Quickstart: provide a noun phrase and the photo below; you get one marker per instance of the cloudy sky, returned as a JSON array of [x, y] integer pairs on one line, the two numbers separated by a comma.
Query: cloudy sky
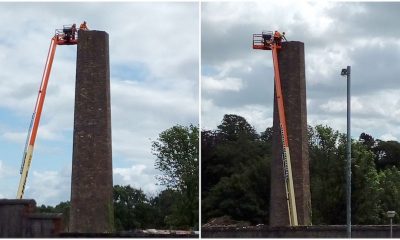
[[154, 51], [239, 80], [154, 55]]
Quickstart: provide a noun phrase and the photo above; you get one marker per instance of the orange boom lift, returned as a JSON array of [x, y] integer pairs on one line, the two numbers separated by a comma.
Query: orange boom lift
[[272, 41], [66, 36]]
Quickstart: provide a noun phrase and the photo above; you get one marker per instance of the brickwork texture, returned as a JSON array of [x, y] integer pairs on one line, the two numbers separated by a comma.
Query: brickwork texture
[[292, 72], [92, 184]]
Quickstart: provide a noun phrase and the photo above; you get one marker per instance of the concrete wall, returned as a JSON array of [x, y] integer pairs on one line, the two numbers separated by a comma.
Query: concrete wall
[[338, 231], [18, 219], [292, 73], [92, 183]]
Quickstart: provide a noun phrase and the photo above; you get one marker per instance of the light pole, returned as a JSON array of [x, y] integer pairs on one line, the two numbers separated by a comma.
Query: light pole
[[347, 72], [390, 215]]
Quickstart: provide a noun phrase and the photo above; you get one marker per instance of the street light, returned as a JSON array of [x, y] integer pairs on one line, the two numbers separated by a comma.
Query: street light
[[390, 215], [347, 72]]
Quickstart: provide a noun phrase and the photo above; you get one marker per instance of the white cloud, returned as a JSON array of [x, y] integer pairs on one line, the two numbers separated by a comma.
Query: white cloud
[[334, 106], [325, 62], [2, 170], [138, 177], [18, 137], [226, 84], [388, 137], [256, 115], [49, 187], [5, 170]]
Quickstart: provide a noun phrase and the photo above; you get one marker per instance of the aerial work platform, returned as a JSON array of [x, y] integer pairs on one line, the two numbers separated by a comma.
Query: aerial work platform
[[290, 162], [68, 35]]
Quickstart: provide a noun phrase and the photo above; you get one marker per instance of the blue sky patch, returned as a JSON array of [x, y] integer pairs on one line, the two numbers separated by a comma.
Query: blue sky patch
[[207, 70], [136, 71], [9, 118]]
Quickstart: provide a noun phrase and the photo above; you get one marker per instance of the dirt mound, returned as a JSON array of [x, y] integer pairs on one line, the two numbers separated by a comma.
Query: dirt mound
[[226, 221]]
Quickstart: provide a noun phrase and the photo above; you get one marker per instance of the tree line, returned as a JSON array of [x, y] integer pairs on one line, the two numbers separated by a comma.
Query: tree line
[[236, 178], [236, 174], [176, 151]]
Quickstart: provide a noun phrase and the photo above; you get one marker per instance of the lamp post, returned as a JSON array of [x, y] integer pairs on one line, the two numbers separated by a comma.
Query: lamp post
[[390, 215], [347, 72]]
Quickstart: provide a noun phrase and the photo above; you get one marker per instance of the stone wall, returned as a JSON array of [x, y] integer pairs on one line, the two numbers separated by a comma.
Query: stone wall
[[18, 219], [333, 231]]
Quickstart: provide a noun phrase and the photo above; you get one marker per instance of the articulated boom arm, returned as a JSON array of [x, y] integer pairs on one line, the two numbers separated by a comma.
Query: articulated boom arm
[[31, 138], [287, 165]]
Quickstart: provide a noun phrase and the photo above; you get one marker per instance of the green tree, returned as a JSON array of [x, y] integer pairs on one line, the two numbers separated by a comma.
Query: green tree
[[45, 209], [235, 171], [131, 208], [242, 196], [177, 152], [210, 163], [328, 160], [134, 210], [165, 205], [326, 177], [367, 140], [387, 154], [390, 195], [226, 149], [366, 191], [234, 126]]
